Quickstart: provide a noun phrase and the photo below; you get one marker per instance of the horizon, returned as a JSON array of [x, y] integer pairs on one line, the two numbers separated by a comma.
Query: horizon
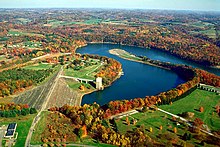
[[100, 8], [182, 5]]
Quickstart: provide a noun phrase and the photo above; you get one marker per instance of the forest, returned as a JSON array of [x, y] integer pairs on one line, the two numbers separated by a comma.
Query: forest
[[14, 80]]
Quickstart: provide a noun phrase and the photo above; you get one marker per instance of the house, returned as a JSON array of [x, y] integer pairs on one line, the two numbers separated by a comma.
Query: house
[[11, 130]]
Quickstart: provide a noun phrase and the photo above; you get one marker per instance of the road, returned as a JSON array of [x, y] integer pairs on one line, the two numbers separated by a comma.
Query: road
[[44, 107]]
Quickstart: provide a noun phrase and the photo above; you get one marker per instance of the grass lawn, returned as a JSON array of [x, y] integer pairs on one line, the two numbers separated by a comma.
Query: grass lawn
[[193, 102], [85, 72], [190, 103], [23, 125], [149, 119], [39, 66], [76, 85]]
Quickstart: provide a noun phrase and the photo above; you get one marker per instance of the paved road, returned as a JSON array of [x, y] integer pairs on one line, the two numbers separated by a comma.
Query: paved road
[[44, 106]]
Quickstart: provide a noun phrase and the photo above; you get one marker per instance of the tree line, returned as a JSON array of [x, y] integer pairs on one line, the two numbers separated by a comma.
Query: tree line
[[13, 110]]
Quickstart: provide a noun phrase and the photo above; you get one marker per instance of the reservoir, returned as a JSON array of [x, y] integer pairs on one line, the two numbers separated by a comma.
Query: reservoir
[[139, 80]]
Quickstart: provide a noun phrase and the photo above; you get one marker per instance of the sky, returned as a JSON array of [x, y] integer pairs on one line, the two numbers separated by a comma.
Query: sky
[[202, 5]]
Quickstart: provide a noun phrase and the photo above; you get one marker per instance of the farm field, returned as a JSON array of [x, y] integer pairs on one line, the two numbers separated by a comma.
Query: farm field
[[156, 119], [23, 125]]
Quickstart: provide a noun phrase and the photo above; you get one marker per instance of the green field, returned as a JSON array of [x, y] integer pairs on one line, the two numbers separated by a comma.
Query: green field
[[23, 125], [190, 103], [210, 33], [20, 33], [2, 57], [23, 20], [86, 72], [39, 66], [193, 102], [31, 44], [3, 38], [27, 44], [56, 23]]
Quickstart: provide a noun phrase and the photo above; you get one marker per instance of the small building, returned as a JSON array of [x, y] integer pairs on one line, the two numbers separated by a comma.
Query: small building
[[11, 130], [99, 83]]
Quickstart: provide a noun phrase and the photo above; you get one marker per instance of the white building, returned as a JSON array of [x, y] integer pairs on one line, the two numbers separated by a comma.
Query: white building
[[99, 83]]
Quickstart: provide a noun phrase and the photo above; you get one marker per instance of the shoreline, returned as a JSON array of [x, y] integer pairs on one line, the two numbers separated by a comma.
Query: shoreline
[[190, 60], [95, 90], [112, 51]]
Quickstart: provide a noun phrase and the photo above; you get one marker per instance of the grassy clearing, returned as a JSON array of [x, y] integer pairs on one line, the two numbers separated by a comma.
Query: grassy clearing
[[2, 57], [23, 125], [210, 33], [193, 102], [39, 66], [3, 38], [56, 23], [15, 32]]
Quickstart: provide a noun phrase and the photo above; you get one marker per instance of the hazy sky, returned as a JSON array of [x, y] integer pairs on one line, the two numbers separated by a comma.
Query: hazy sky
[[213, 5]]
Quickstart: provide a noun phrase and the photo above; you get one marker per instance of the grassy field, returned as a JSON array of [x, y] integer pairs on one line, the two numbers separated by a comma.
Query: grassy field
[[210, 33], [191, 103], [2, 57], [56, 23], [39, 66], [15, 32], [23, 125], [85, 72]]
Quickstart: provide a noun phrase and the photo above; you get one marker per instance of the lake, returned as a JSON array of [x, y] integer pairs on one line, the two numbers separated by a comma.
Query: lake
[[139, 80]]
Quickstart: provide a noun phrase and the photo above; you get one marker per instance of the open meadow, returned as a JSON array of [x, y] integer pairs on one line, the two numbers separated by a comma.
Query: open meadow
[[157, 123]]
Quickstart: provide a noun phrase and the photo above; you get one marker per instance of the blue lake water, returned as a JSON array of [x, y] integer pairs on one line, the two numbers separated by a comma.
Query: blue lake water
[[139, 80]]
